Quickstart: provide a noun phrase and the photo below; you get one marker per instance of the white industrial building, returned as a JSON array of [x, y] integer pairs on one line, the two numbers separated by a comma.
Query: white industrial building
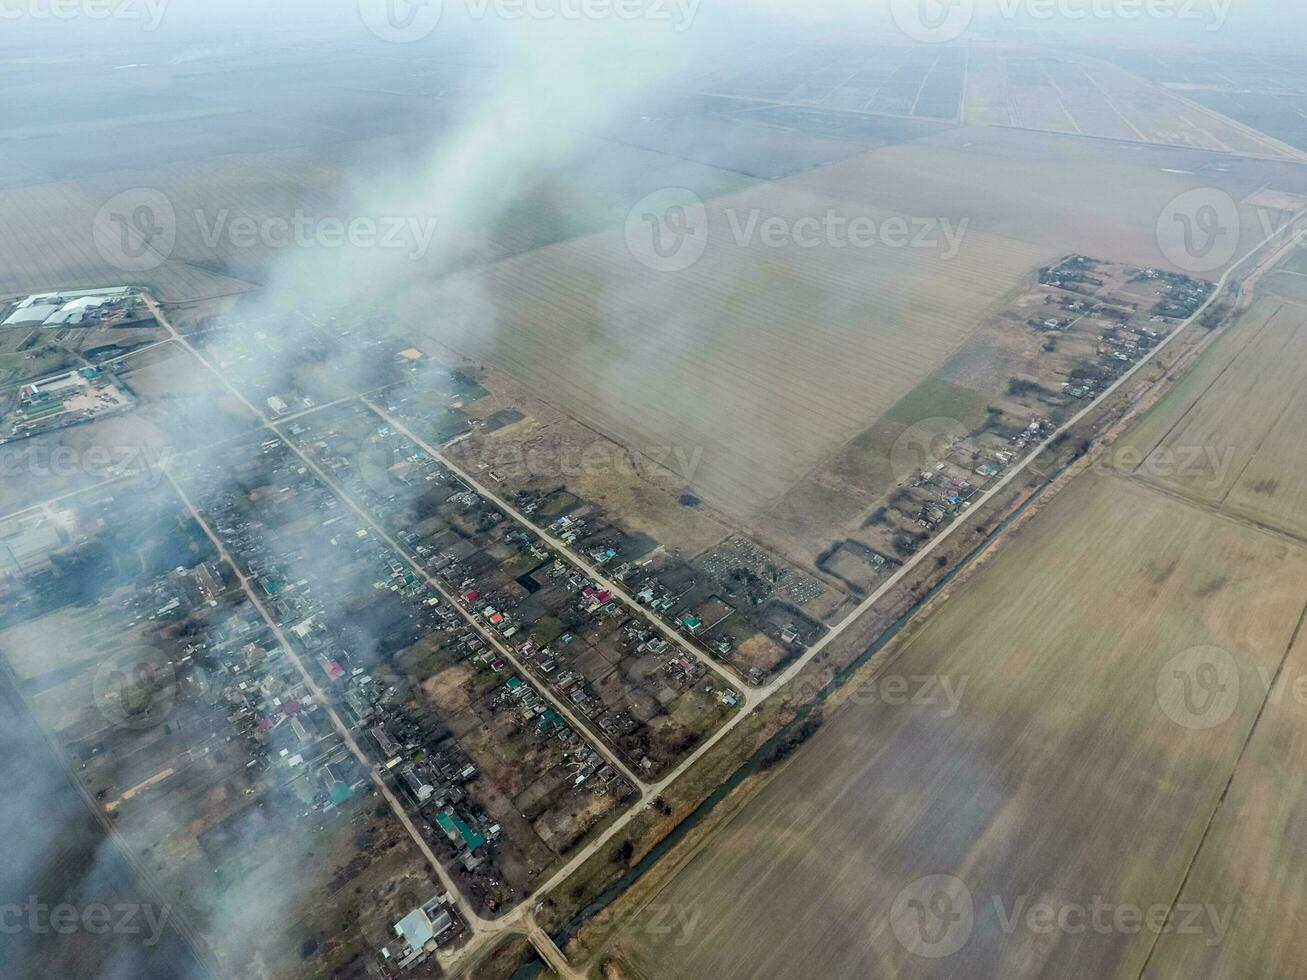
[[64, 309]]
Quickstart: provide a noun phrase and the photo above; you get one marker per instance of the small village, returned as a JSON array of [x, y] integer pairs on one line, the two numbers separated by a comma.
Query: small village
[[1093, 321]]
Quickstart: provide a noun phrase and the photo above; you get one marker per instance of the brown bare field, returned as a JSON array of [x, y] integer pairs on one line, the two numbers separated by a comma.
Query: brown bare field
[[1065, 193], [46, 242], [1273, 488], [1252, 855], [752, 368], [1067, 774], [754, 363], [46, 229], [1230, 434]]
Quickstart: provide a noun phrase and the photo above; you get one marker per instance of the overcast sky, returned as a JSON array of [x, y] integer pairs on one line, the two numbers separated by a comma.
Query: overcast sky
[[238, 23]]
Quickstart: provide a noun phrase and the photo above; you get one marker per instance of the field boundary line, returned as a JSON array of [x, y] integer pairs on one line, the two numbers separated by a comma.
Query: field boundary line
[[1214, 510], [1225, 791]]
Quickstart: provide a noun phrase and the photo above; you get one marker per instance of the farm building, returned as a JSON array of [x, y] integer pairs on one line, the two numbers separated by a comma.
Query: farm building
[[80, 307]]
